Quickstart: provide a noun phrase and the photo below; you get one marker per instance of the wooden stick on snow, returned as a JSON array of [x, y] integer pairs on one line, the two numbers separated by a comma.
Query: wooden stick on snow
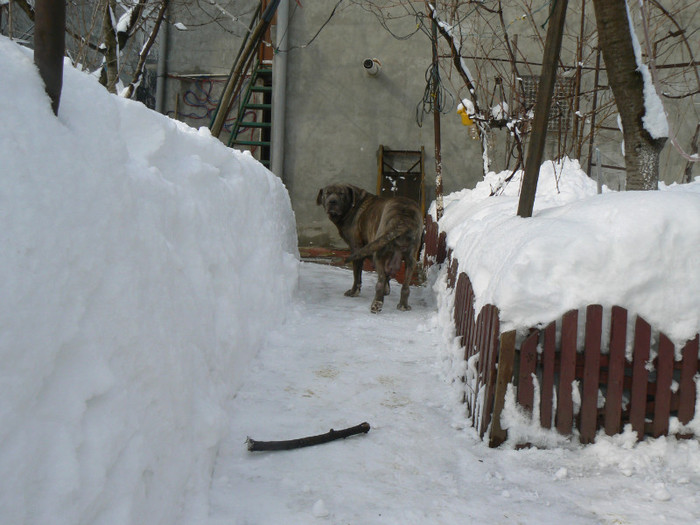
[[255, 446]]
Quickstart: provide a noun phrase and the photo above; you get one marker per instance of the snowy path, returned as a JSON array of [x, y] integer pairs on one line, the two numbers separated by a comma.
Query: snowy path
[[334, 365]]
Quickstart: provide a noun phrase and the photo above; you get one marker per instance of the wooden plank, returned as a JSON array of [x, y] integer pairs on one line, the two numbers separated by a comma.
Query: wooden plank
[[452, 273], [459, 301], [640, 376], [591, 369], [547, 389], [686, 389], [506, 358], [380, 169], [490, 371], [616, 370], [664, 377], [479, 343], [441, 247], [470, 333], [528, 365], [430, 246], [565, 409]]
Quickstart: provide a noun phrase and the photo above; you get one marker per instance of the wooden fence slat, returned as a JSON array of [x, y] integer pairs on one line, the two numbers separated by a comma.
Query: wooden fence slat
[[591, 370], [506, 359], [469, 341], [616, 370], [470, 333], [481, 332], [528, 364], [547, 388], [431, 233], [567, 371], [686, 389], [462, 313], [664, 377], [459, 301], [640, 376], [490, 371], [441, 247]]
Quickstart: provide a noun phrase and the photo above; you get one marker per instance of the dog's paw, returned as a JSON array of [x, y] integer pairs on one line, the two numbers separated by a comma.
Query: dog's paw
[[352, 292], [403, 307], [376, 307]]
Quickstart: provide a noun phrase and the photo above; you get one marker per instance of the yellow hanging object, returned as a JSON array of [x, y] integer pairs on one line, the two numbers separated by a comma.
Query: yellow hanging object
[[466, 121]]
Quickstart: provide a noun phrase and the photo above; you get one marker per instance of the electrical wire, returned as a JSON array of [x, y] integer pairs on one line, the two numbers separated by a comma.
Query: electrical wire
[[434, 96], [302, 46]]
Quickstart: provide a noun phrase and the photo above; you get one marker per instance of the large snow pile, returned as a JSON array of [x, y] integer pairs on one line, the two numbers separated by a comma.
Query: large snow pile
[[638, 250], [143, 263]]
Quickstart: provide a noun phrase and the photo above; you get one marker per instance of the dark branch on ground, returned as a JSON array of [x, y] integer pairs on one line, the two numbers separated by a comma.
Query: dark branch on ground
[[256, 446]]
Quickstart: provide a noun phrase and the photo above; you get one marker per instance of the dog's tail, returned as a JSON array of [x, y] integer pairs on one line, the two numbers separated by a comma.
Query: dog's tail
[[376, 245]]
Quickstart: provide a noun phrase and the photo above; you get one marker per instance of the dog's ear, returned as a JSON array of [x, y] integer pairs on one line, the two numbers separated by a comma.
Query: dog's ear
[[356, 194], [319, 197]]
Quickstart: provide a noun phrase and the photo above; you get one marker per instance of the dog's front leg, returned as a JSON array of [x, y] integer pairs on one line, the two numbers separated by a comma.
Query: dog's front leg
[[357, 279]]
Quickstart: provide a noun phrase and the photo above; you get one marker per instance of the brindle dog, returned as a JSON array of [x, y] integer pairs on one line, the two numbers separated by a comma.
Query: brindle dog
[[387, 229]]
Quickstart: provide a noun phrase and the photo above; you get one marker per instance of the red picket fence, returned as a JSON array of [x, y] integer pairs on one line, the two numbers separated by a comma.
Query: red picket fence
[[434, 251], [643, 393], [644, 386]]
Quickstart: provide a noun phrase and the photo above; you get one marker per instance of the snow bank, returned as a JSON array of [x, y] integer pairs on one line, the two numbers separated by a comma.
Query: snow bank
[[638, 250], [143, 263]]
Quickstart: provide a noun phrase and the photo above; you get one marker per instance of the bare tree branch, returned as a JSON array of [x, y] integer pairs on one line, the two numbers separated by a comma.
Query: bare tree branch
[[131, 88]]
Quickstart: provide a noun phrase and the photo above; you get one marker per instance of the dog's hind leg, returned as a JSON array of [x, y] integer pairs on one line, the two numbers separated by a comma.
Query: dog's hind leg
[[379, 290], [405, 288]]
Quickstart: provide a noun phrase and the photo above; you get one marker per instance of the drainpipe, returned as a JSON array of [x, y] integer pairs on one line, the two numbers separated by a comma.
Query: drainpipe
[[161, 73], [279, 91]]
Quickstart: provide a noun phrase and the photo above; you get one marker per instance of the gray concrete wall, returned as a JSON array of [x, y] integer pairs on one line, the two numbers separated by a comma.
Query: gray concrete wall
[[199, 58], [338, 116]]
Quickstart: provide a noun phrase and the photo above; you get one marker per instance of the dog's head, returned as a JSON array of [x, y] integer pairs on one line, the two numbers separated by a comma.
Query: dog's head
[[339, 199]]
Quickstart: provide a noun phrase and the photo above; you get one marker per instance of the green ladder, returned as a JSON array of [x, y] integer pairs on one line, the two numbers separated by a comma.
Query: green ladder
[[247, 104]]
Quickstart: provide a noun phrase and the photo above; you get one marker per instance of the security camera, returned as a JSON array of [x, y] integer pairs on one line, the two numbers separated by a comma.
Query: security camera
[[371, 66]]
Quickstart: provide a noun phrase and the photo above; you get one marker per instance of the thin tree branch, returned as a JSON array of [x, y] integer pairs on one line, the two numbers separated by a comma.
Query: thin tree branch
[[256, 446], [138, 73]]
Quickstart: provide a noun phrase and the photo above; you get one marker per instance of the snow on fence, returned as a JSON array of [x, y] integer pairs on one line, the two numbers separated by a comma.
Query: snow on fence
[[604, 383]]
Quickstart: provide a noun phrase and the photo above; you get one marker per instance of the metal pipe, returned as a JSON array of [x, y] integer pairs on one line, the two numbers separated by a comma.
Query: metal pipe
[[279, 91]]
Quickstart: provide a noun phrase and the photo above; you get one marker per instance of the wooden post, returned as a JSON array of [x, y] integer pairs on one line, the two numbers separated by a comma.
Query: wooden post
[[687, 395], [591, 374], [616, 370], [547, 389], [50, 45], [436, 127], [545, 90], [567, 372], [246, 57], [640, 376], [506, 357]]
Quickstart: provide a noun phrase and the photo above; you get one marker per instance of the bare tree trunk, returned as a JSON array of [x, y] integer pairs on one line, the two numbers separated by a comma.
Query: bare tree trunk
[[111, 50], [131, 88], [50, 45], [641, 149], [545, 91], [688, 173]]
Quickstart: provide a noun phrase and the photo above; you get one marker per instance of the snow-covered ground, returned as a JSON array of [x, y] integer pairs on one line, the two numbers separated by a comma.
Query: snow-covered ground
[[333, 364], [150, 320]]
